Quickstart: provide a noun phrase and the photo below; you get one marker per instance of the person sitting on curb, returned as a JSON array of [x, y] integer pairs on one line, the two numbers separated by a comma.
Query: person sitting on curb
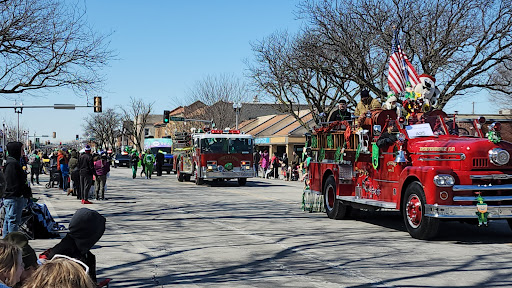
[[85, 229], [29, 257], [61, 272]]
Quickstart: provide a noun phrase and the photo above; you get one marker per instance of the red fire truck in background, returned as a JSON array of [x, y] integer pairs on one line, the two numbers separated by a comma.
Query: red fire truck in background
[[427, 170], [216, 155]]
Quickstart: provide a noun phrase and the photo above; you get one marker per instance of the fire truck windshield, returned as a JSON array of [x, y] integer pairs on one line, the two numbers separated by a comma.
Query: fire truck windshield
[[226, 145], [459, 127]]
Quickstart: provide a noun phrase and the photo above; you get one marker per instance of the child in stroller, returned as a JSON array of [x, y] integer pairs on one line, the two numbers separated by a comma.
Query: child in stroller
[[55, 177]]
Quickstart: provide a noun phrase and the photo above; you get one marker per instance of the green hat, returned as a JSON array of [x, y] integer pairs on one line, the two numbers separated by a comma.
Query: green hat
[[21, 240]]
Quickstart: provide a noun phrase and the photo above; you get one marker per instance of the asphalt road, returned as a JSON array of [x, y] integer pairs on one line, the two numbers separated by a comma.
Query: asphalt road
[[162, 233]]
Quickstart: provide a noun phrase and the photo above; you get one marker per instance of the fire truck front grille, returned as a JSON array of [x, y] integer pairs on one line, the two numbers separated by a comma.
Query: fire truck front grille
[[480, 162], [495, 188]]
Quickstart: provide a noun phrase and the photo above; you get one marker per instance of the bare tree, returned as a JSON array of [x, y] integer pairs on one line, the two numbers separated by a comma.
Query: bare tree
[[137, 112], [13, 133], [219, 92], [293, 70], [460, 42], [47, 44], [503, 76], [104, 127]]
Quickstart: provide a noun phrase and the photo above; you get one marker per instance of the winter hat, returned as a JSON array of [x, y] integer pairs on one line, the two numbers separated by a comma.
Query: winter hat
[[14, 149], [87, 148], [21, 240], [365, 94]]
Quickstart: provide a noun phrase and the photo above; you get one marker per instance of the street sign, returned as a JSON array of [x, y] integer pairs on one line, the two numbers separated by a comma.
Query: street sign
[[177, 118]]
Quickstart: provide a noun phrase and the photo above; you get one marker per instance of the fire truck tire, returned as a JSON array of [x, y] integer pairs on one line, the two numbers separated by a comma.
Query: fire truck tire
[[187, 178], [418, 225], [334, 208], [198, 180], [242, 181], [509, 221], [180, 176]]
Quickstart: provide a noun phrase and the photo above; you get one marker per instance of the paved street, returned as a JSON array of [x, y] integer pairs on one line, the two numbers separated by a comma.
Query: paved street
[[162, 233]]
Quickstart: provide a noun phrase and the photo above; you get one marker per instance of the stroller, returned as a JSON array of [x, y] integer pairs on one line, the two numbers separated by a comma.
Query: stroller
[[295, 173], [55, 177]]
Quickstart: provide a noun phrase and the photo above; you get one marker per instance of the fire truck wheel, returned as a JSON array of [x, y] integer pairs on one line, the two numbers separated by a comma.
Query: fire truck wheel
[[187, 178], [180, 176], [198, 180], [509, 221], [242, 181], [334, 208], [418, 225]]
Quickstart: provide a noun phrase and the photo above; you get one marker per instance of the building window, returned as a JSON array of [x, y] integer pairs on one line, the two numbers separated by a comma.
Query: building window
[[146, 132]]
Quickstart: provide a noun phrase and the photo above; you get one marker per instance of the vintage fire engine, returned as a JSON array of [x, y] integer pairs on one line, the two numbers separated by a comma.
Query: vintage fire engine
[[427, 171], [216, 155]]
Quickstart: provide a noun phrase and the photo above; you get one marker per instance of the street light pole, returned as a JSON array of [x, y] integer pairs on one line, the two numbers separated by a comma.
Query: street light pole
[[237, 106]]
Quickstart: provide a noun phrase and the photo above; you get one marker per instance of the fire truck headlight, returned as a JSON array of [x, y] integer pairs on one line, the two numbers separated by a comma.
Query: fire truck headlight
[[443, 180], [245, 165], [499, 156], [211, 165]]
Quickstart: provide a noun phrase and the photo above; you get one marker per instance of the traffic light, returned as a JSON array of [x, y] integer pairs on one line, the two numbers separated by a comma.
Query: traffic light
[[166, 116], [77, 138], [54, 134], [97, 104]]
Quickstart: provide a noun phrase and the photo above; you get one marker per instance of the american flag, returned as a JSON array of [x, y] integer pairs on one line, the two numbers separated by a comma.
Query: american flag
[[400, 69]]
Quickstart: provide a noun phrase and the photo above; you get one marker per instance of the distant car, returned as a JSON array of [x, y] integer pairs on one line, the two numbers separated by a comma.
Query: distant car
[[121, 160]]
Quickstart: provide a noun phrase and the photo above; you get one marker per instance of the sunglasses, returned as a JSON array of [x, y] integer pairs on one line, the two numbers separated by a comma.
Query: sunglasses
[[56, 256]]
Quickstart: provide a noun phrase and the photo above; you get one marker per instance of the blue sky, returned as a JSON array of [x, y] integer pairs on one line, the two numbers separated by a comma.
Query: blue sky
[[164, 47]]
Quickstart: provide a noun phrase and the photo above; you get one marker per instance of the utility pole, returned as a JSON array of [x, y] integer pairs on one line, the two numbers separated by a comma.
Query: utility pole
[[18, 110]]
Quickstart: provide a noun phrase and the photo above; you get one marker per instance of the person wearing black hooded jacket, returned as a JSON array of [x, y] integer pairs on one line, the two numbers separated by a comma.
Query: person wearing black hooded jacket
[[85, 229], [17, 192]]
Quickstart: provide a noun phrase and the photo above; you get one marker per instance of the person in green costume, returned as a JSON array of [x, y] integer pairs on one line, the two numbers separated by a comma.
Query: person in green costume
[[149, 161]]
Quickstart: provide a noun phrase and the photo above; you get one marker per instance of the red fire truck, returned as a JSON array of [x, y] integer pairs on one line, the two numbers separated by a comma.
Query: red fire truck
[[216, 155], [428, 170]]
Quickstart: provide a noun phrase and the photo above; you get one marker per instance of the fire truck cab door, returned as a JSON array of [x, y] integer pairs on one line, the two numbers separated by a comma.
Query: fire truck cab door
[[388, 172]]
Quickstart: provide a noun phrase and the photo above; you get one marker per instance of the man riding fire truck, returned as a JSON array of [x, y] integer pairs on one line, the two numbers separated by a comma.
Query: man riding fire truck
[[216, 155], [423, 166]]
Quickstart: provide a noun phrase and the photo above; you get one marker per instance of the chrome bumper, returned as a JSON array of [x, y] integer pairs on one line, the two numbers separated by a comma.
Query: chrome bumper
[[229, 174], [464, 212], [481, 187]]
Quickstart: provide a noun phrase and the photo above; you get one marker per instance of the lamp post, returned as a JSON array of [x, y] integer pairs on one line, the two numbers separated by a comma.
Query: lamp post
[[4, 140], [237, 106], [18, 110]]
